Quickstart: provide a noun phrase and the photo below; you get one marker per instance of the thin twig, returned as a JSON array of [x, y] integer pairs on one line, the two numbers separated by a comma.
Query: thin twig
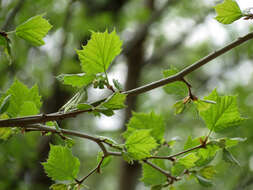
[[172, 157], [96, 169], [167, 174], [177, 77]]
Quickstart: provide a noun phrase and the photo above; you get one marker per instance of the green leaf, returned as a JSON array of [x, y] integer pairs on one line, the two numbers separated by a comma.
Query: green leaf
[[203, 105], [146, 121], [178, 88], [203, 181], [228, 12], [100, 51], [206, 155], [115, 101], [127, 157], [34, 30], [188, 160], [179, 107], [20, 96], [223, 114], [28, 108], [61, 164], [140, 143], [208, 172], [177, 169], [228, 157], [190, 143], [151, 176], [83, 106], [76, 80], [58, 186], [5, 104]]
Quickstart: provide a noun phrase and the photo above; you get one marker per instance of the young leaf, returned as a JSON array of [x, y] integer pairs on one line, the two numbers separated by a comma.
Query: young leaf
[[223, 114], [228, 12], [179, 107], [61, 164], [203, 181], [140, 143], [203, 105], [100, 51], [115, 101], [179, 89], [206, 155], [228, 157], [151, 176], [146, 121], [177, 169], [84, 106], [34, 30], [76, 80], [20, 96]]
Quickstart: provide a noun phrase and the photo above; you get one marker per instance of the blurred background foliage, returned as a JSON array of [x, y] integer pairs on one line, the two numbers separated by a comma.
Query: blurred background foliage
[[156, 35]]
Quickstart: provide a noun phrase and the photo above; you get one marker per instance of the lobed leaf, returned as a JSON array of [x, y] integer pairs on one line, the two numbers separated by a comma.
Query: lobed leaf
[[34, 30], [146, 121], [61, 164], [100, 51], [140, 143], [21, 96], [77, 80], [188, 160], [228, 12], [223, 114], [115, 101]]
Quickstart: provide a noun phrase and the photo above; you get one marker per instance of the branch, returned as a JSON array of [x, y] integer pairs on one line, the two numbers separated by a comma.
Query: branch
[[21, 121], [40, 127], [191, 68], [172, 157]]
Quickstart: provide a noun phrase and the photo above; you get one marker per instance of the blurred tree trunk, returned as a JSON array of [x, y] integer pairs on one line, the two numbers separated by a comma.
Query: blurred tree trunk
[[135, 60]]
